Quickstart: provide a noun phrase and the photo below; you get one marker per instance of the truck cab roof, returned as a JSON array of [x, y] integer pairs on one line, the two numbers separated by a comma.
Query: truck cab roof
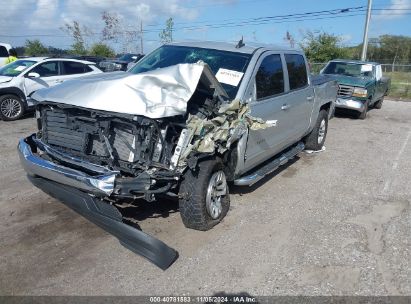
[[248, 48]]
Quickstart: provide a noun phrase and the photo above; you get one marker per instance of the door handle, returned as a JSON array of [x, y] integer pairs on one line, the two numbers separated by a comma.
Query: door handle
[[59, 81], [285, 107], [309, 98]]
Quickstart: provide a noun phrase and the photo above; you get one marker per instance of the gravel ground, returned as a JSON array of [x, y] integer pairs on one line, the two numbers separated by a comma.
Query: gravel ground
[[332, 223]]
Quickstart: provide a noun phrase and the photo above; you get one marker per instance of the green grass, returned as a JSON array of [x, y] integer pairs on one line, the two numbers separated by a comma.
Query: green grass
[[400, 85]]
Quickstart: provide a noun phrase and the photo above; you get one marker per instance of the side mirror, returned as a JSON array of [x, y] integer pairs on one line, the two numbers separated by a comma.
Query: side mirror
[[33, 75], [134, 57]]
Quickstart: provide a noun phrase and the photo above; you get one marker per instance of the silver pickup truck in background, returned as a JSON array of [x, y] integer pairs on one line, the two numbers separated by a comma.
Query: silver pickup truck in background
[[186, 121]]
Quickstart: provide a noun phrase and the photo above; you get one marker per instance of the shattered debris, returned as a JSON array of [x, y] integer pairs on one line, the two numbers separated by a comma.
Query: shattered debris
[[218, 133]]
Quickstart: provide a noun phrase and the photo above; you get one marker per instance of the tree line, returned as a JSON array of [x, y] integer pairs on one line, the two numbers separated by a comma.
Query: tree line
[[319, 47], [387, 49]]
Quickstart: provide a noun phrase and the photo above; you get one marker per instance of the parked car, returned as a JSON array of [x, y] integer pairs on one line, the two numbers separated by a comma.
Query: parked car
[[120, 63], [4, 53], [361, 84], [130, 65], [94, 59], [185, 121], [21, 78]]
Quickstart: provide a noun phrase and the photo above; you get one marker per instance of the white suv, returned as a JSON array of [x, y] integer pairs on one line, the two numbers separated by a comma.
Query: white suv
[[21, 78]]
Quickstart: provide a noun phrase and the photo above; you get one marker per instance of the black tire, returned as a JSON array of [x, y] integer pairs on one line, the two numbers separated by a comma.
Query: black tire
[[363, 115], [193, 196], [378, 104], [312, 141], [11, 107]]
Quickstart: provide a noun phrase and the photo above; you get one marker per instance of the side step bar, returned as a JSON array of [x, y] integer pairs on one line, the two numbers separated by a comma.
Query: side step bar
[[255, 176], [109, 218]]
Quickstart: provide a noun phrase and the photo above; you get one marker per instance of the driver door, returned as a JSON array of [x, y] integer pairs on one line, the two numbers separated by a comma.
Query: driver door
[[49, 73], [266, 101], [379, 84]]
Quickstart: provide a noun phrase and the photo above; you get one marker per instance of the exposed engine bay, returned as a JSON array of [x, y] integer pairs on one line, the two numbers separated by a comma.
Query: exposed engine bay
[[126, 143]]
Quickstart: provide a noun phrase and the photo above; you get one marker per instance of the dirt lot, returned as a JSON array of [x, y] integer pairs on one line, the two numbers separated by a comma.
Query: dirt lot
[[336, 222]]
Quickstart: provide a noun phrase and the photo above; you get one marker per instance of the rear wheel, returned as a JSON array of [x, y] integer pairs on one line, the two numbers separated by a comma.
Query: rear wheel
[[11, 107], [315, 140], [204, 197]]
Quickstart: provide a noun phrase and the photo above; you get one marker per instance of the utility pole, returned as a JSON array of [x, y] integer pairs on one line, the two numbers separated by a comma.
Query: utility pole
[[367, 25], [141, 37]]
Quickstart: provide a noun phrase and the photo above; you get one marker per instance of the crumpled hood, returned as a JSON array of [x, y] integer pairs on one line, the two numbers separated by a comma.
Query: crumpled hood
[[351, 81], [4, 79], [154, 94]]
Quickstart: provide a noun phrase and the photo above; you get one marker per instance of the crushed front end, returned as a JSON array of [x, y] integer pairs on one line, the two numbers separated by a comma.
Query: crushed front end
[[137, 149], [94, 160]]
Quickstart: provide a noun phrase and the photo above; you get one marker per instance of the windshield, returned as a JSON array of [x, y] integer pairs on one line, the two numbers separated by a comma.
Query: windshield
[[349, 69], [16, 68], [169, 55]]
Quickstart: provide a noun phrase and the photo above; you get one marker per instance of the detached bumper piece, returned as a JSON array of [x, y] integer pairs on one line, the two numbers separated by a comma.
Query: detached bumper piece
[[109, 218], [65, 187]]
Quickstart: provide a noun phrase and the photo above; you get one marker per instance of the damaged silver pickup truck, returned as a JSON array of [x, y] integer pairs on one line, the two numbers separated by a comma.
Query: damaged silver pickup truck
[[187, 120]]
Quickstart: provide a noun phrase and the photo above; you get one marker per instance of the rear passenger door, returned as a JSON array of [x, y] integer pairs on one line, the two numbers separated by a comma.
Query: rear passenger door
[[300, 99], [266, 95], [73, 69]]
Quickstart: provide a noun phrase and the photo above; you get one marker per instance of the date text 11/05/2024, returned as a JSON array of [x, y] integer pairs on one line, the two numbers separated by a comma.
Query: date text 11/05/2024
[[203, 299]]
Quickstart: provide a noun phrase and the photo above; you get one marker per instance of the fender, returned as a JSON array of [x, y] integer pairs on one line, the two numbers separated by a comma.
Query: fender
[[14, 91], [241, 154]]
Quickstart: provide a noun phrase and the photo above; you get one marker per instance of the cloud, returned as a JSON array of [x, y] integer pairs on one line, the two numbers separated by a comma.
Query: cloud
[[345, 38], [13, 14], [86, 11], [397, 9], [44, 15]]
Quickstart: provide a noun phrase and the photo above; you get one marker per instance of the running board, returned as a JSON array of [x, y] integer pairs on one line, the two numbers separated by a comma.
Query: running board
[[109, 218], [255, 176]]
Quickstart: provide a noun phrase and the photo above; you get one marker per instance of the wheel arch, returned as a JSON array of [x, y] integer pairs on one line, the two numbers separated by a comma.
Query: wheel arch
[[14, 91], [326, 106]]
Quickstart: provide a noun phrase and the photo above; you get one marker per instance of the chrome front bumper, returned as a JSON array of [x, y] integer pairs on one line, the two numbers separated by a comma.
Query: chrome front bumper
[[350, 104], [100, 183]]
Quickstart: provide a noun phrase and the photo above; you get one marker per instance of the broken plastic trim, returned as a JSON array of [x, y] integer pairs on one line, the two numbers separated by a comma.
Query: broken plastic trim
[[109, 218]]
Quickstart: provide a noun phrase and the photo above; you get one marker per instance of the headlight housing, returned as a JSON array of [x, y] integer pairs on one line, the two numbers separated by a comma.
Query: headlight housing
[[360, 92]]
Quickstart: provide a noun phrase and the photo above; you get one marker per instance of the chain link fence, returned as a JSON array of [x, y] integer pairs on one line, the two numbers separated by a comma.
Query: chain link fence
[[400, 75]]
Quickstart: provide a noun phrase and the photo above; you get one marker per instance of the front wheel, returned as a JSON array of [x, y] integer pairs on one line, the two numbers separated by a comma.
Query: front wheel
[[315, 140], [204, 197], [363, 115], [378, 104], [11, 107]]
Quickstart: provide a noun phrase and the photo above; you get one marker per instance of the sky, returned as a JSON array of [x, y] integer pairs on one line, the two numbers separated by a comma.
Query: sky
[[258, 21]]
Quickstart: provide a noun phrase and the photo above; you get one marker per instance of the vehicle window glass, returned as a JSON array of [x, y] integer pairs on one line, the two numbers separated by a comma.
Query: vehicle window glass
[[47, 69], [169, 55], [269, 79], [71, 67], [297, 72], [349, 69], [16, 67], [3, 52]]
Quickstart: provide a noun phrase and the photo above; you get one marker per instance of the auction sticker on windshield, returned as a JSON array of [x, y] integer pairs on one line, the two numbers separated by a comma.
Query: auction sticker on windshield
[[229, 77], [20, 68], [366, 68]]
